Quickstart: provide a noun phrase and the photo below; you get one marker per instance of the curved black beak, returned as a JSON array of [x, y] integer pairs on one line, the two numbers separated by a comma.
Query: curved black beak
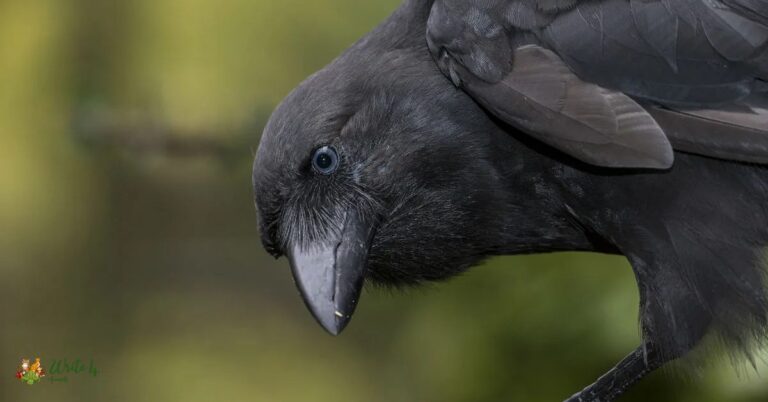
[[329, 274]]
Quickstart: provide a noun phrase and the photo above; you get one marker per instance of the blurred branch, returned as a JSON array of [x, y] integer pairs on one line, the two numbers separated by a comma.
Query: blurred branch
[[138, 133]]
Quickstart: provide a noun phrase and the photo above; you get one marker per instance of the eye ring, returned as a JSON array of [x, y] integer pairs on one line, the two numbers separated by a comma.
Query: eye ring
[[325, 160]]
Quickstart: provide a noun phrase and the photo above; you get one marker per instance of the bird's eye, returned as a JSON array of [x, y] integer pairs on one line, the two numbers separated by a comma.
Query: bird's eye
[[325, 160]]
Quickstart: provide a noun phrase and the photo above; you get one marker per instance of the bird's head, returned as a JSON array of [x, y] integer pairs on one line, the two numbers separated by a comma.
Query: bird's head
[[374, 171]]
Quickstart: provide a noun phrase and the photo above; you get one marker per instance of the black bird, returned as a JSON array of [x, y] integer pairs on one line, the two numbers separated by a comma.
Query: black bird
[[463, 129]]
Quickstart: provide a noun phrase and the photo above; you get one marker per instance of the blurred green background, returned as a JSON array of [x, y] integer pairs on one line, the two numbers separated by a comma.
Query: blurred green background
[[128, 234]]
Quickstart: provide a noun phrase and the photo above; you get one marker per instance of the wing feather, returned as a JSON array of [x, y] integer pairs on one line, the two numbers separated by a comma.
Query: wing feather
[[734, 36], [756, 10], [593, 124], [614, 82], [736, 131], [658, 26]]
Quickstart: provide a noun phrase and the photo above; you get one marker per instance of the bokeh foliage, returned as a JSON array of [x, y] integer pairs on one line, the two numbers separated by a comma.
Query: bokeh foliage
[[127, 232]]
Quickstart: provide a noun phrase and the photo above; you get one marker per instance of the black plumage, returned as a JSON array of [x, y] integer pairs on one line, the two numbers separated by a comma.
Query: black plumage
[[459, 130]]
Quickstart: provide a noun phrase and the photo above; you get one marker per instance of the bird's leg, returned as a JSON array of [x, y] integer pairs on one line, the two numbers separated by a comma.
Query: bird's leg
[[615, 382]]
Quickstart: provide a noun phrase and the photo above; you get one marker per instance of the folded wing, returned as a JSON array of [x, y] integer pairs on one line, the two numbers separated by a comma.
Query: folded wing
[[615, 83]]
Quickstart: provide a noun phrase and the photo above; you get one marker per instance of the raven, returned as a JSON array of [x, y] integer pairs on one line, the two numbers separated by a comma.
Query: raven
[[458, 130]]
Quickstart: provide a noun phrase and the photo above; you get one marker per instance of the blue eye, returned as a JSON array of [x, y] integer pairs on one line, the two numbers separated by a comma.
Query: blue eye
[[325, 160]]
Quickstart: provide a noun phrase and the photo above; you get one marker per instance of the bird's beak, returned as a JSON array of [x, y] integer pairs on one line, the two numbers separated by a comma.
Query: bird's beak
[[330, 273]]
